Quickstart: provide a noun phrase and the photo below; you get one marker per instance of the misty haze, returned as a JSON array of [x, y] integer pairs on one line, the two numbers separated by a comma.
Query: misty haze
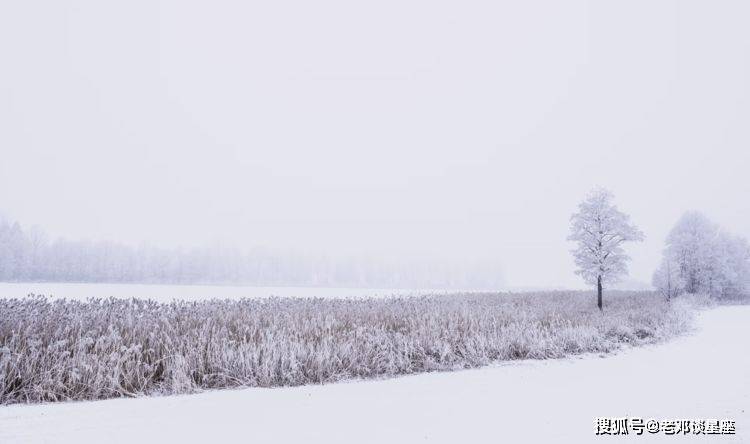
[[429, 221]]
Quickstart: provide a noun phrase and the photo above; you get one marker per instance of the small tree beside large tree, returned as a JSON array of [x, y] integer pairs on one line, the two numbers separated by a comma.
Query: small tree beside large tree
[[600, 230]]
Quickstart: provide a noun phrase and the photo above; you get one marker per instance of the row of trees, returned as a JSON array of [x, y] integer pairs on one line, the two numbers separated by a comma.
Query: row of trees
[[28, 255], [699, 257]]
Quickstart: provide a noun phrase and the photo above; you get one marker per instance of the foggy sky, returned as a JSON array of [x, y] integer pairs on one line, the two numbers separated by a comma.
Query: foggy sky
[[399, 129]]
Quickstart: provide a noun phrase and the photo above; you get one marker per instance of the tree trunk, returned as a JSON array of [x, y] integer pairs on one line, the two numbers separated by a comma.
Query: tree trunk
[[599, 292]]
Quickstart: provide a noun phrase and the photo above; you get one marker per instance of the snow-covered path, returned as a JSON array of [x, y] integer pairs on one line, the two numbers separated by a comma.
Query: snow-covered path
[[699, 376]]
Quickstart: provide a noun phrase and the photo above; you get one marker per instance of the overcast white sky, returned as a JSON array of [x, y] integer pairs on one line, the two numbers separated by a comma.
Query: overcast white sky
[[462, 129]]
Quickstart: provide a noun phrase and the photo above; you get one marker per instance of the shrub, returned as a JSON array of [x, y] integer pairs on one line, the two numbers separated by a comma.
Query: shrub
[[57, 350]]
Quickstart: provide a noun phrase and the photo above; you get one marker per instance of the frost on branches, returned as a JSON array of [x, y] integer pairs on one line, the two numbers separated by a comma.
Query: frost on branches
[[701, 258], [600, 229], [667, 279]]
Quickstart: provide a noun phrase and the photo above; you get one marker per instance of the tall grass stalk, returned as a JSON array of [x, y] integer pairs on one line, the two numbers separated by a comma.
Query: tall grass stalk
[[59, 350]]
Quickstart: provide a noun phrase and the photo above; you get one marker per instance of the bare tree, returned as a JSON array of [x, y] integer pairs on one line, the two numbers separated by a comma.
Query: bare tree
[[600, 229], [667, 279]]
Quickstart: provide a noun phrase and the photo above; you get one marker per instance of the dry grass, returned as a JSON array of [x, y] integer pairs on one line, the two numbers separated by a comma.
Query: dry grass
[[57, 350]]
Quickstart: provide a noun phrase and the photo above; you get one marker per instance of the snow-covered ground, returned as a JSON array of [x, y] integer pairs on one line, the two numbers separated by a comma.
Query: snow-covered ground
[[166, 293], [700, 376]]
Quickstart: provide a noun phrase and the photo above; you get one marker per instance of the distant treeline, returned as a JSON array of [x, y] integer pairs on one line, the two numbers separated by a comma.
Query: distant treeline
[[28, 255]]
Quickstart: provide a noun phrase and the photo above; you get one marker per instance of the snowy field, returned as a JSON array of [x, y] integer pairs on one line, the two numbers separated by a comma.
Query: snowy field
[[699, 376], [166, 293]]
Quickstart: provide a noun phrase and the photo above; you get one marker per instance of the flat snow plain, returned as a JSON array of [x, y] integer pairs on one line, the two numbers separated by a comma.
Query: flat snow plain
[[702, 375]]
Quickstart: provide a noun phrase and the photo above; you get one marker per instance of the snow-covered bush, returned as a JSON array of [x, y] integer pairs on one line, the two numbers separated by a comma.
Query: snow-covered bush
[[54, 350]]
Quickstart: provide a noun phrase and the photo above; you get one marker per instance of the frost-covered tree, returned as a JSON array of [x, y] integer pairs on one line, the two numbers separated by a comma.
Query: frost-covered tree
[[707, 259], [691, 245], [732, 255], [600, 230], [667, 279]]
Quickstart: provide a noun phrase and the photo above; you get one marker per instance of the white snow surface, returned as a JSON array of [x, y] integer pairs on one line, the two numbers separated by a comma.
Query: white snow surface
[[703, 375]]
